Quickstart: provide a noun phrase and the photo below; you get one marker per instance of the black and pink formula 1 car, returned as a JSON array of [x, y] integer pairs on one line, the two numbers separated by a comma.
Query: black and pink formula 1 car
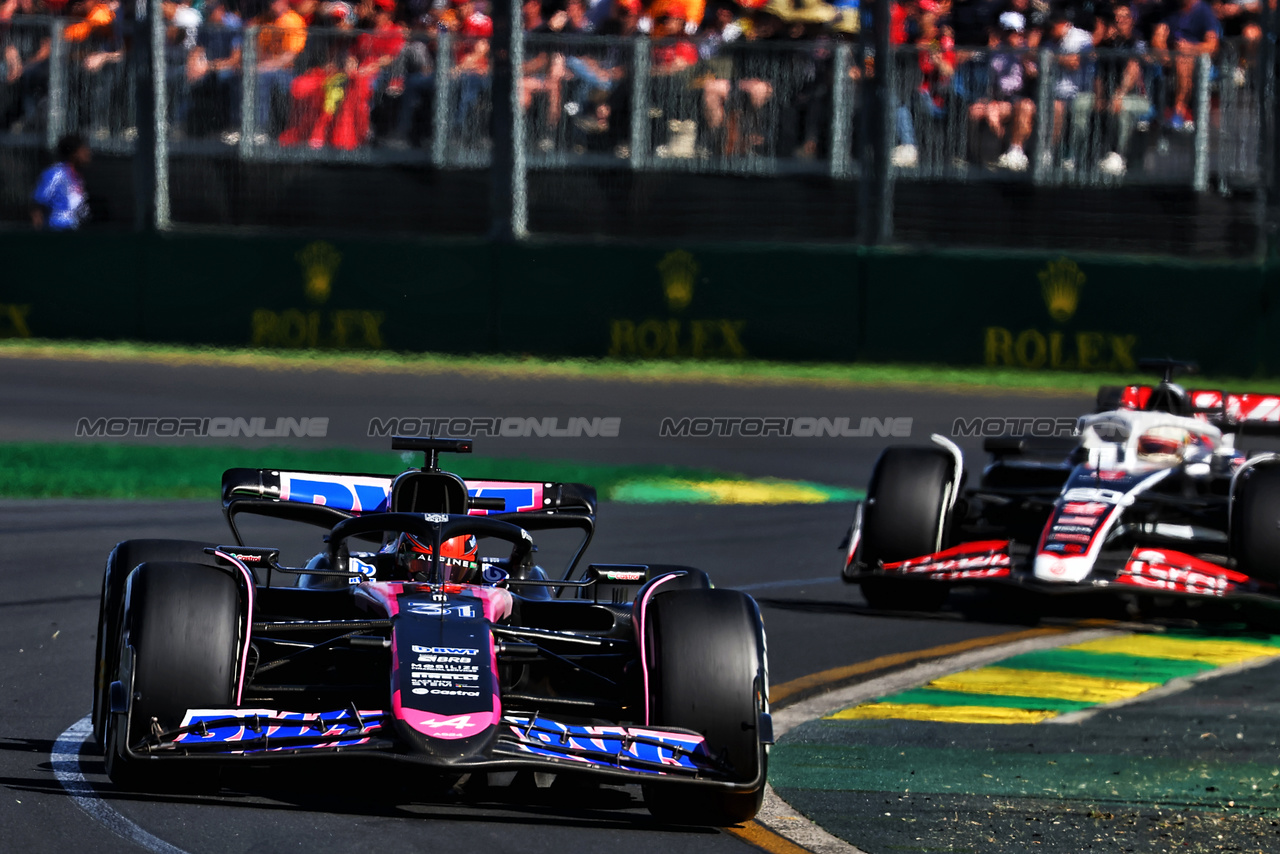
[[1151, 499], [402, 640]]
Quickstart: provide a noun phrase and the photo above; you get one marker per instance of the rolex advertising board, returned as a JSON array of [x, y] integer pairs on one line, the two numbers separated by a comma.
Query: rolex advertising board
[[1027, 311], [724, 303], [1060, 312]]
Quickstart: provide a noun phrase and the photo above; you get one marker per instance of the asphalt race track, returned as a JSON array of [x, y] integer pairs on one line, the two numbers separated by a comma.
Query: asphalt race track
[[52, 554], [43, 401]]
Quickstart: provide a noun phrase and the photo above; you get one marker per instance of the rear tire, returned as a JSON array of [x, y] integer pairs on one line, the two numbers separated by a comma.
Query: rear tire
[[184, 629], [122, 560], [1108, 399], [1255, 523], [707, 673], [906, 516]]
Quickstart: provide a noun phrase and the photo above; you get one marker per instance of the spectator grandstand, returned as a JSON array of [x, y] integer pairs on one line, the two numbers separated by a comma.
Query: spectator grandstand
[[1080, 93]]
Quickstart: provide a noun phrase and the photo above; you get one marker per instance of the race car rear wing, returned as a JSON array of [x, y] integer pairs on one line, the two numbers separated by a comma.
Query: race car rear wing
[[326, 498], [1257, 412]]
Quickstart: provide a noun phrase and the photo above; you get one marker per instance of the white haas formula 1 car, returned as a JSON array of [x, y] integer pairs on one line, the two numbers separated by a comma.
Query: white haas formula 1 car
[[1151, 497]]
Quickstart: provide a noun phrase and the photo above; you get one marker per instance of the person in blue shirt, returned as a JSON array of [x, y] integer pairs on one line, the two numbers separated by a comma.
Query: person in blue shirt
[[1191, 31], [61, 203]]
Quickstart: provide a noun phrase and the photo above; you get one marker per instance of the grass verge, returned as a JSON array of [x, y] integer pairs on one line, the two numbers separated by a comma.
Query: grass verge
[[931, 377], [40, 470]]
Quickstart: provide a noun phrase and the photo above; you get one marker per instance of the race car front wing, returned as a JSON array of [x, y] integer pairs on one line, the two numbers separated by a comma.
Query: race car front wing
[[631, 754], [1155, 570]]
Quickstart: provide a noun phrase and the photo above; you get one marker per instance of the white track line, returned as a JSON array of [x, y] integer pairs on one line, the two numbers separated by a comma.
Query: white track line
[[65, 758]]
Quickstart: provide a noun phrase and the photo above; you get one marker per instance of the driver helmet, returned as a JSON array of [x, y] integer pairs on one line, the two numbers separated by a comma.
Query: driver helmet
[[1163, 445], [457, 558]]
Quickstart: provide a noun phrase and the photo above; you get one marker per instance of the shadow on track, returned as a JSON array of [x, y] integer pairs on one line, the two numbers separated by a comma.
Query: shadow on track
[[26, 745]]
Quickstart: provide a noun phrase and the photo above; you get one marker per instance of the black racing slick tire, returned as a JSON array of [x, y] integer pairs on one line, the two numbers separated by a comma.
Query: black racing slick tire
[[708, 673], [1108, 399], [1255, 523], [122, 560], [906, 515], [183, 630]]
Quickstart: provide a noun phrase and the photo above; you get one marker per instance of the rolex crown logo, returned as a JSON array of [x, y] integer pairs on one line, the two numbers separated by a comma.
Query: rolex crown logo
[[1060, 283], [319, 262], [679, 270]]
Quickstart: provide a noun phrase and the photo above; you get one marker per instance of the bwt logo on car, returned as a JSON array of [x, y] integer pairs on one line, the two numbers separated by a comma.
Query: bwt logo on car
[[1006, 426], [798, 427], [222, 427], [513, 427]]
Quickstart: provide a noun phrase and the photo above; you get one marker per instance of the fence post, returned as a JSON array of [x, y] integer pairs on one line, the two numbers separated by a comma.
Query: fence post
[[443, 100], [519, 163], [1269, 139], [841, 115], [640, 57], [248, 91], [1044, 117], [884, 183], [1200, 169], [159, 85], [57, 123], [141, 60]]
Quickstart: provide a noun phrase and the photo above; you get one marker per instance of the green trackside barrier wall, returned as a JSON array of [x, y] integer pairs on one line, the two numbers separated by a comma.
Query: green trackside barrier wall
[[1039, 311]]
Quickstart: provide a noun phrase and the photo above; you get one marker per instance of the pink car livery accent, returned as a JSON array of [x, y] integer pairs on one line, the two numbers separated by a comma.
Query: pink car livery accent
[[515, 667], [638, 621], [520, 497], [443, 657], [247, 577], [447, 728], [255, 729], [356, 493], [616, 746]]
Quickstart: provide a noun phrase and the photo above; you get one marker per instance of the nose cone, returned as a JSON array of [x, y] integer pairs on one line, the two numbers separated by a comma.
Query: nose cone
[[1051, 567], [445, 695], [448, 738]]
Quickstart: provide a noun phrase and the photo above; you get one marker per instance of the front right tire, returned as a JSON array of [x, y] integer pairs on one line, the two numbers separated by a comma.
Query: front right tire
[[182, 625], [123, 559], [906, 515]]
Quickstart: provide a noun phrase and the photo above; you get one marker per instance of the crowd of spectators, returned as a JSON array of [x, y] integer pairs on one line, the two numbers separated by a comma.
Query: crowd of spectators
[[727, 76], [1110, 68]]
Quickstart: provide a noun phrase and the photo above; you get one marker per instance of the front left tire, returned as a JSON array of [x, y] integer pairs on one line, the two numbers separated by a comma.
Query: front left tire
[[1255, 523], [907, 513]]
